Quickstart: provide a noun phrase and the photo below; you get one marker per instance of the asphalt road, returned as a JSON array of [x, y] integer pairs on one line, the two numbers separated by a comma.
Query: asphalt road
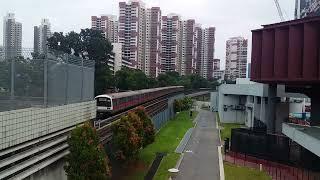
[[200, 161]]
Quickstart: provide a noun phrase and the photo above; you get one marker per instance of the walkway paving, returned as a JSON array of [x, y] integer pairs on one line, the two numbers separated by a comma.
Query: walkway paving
[[200, 159]]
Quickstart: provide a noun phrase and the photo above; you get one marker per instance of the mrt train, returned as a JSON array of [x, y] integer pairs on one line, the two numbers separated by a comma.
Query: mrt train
[[117, 102]]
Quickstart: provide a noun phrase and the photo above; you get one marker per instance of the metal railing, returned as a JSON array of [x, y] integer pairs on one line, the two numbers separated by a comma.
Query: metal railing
[[39, 81]]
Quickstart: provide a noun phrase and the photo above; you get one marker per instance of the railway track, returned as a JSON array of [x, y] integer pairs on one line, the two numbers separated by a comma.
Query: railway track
[[152, 107]]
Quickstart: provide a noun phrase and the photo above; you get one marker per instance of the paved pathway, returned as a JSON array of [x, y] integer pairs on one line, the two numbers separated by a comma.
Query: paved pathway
[[200, 161]]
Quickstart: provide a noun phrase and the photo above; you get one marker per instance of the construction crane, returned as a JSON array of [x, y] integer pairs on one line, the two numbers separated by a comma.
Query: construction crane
[[279, 10]]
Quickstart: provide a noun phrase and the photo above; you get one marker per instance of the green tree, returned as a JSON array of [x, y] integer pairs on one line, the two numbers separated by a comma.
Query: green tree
[[131, 79], [182, 104], [126, 140], [148, 127], [152, 82], [168, 79], [87, 159], [88, 44], [132, 133]]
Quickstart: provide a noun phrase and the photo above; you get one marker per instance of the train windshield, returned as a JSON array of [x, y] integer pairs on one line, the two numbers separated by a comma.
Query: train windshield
[[104, 101]]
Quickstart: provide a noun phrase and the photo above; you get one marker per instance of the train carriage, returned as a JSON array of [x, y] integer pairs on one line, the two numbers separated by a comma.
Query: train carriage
[[117, 102]]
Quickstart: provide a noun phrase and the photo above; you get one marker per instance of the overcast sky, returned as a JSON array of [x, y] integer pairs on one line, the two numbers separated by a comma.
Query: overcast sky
[[230, 17]]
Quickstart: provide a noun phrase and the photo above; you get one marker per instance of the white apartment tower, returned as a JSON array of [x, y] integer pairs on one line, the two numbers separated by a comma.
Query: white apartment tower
[[171, 49], [41, 35], [132, 27], [108, 24], [12, 36], [236, 58], [153, 44]]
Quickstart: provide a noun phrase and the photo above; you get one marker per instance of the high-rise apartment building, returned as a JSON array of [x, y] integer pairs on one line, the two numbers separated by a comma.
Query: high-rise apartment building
[[171, 49], [205, 39], [132, 28], [116, 61], [153, 44], [218, 74], [41, 35], [213, 66], [188, 47], [12, 36], [216, 64], [198, 48], [249, 70], [236, 58], [108, 24]]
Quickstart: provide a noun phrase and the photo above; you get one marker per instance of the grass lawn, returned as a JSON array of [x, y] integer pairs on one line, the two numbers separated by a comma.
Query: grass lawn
[[233, 172], [226, 128], [167, 139]]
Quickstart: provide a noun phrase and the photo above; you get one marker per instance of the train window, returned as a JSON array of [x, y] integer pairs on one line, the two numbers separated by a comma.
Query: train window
[[104, 101]]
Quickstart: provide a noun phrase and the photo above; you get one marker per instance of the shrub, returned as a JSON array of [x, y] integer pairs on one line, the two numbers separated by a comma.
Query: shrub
[[131, 133], [148, 127], [87, 158], [126, 140], [182, 104]]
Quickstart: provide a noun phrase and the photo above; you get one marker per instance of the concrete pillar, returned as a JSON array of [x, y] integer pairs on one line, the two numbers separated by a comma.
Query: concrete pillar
[[271, 114], [315, 106], [262, 110]]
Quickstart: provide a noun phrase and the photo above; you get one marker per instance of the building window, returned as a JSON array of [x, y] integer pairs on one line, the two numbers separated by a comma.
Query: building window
[[258, 100], [266, 100]]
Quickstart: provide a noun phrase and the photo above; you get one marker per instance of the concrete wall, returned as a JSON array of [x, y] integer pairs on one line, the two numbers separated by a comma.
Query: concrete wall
[[161, 119], [229, 115], [282, 113], [22, 125], [257, 108], [256, 89], [214, 103], [52, 172]]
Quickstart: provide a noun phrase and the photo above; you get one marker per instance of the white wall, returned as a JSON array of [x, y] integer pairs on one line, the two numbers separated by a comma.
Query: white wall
[[256, 89], [230, 115], [244, 81], [214, 101], [22, 125]]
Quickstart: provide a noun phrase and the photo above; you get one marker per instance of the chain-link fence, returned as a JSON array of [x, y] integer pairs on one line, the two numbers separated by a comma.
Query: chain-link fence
[[41, 81]]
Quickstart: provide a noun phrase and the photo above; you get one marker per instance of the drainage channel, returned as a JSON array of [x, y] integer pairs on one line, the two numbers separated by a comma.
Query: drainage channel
[[155, 165]]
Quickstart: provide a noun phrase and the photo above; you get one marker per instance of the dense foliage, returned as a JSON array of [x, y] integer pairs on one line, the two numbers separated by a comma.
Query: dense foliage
[[87, 158], [131, 133], [182, 104], [130, 79], [148, 127], [88, 44]]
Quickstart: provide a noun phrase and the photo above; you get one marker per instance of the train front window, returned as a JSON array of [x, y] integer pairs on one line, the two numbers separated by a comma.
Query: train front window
[[103, 101]]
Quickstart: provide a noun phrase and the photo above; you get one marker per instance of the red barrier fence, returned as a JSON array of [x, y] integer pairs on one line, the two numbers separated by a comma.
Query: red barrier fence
[[276, 170]]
